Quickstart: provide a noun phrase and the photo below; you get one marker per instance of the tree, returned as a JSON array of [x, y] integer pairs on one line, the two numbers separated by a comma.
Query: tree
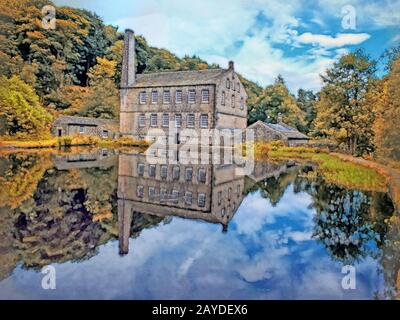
[[20, 106], [342, 111], [306, 101], [277, 102], [386, 100]]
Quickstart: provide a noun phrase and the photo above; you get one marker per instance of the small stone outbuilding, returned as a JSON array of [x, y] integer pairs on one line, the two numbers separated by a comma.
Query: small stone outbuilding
[[71, 125], [278, 132]]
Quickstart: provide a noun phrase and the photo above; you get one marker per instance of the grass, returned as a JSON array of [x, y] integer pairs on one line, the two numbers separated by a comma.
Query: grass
[[68, 141], [333, 169]]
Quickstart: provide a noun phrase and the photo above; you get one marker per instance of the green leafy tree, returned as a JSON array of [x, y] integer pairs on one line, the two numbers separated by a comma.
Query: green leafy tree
[[20, 106], [342, 111]]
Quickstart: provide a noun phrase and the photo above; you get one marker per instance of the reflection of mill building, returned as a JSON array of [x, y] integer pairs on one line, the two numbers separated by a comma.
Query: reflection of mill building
[[195, 99], [205, 192]]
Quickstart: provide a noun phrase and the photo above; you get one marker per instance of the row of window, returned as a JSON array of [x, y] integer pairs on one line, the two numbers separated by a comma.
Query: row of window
[[230, 83], [229, 194], [173, 197], [166, 96], [176, 172], [233, 101], [165, 120]]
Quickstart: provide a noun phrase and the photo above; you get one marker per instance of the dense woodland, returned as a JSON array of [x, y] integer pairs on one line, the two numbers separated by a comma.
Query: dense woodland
[[75, 69]]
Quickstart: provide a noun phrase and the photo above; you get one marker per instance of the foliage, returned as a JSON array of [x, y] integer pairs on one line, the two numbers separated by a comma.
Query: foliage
[[342, 111], [21, 108], [276, 104]]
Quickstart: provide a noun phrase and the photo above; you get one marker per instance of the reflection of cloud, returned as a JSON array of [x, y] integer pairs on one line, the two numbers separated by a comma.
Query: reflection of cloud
[[268, 253]]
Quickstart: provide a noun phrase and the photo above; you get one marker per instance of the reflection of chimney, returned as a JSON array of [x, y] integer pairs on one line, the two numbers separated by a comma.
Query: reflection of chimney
[[128, 62], [224, 228], [124, 224]]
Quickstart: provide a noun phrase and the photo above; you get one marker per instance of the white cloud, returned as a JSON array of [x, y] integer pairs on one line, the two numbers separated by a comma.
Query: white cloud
[[327, 41]]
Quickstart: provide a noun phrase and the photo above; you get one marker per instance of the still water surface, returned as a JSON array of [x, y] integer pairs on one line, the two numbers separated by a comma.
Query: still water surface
[[116, 228]]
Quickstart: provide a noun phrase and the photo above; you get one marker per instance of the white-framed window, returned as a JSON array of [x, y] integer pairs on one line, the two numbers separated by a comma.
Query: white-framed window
[[175, 196], [192, 96], [205, 96], [152, 170], [140, 169], [142, 97], [178, 96], [189, 174], [190, 120], [201, 200], [154, 97], [188, 197], [142, 120], [233, 101], [153, 120], [176, 172], [140, 191], [241, 103], [178, 120], [204, 121], [167, 97], [164, 171], [223, 98], [228, 83], [165, 120], [152, 192], [202, 175], [81, 129]]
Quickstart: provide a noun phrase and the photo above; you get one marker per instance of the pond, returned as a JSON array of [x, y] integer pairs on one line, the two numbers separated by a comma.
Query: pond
[[112, 226]]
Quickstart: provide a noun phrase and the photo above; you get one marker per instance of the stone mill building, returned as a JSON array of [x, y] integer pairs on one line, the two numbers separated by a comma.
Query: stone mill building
[[196, 99]]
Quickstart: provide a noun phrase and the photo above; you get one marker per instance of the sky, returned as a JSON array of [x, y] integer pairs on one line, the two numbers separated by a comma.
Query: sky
[[298, 39]]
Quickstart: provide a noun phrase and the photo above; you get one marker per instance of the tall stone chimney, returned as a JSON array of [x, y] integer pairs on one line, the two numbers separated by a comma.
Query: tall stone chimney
[[128, 61], [231, 65]]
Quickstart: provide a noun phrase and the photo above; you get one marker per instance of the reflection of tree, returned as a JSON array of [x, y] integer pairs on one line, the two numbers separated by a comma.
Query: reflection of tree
[[20, 176], [344, 222]]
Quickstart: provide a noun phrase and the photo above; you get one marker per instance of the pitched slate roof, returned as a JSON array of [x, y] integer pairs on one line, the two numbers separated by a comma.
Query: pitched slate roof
[[72, 120], [176, 78], [284, 129]]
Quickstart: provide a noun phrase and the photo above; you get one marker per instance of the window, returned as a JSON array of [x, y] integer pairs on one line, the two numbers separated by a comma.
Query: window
[[233, 101], [167, 97], [81, 129], [175, 196], [190, 120], [104, 133], [223, 212], [142, 97], [188, 197], [205, 96], [140, 191], [219, 197], [238, 86], [233, 84], [223, 98], [154, 97], [192, 96], [165, 120], [178, 96], [241, 103], [153, 120], [228, 84], [201, 200], [201, 177], [189, 174], [152, 192], [178, 120], [204, 121], [229, 193], [175, 173], [152, 170], [163, 194], [164, 171], [238, 190], [142, 120], [140, 169]]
